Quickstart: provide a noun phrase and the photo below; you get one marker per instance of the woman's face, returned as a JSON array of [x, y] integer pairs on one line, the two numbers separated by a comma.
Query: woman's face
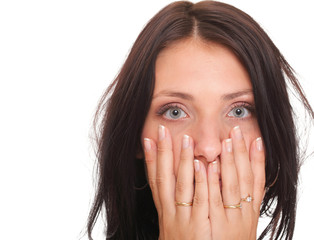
[[201, 90]]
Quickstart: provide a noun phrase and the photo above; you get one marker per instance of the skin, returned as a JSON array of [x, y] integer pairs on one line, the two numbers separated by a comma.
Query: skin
[[208, 98]]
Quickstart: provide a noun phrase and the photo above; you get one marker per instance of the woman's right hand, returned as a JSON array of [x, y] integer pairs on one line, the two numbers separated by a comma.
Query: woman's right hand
[[177, 222]]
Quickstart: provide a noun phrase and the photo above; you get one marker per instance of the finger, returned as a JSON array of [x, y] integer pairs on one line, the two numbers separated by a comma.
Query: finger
[[200, 201], [165, 175], [257, 156], [244, 170], [150, 151], [229, 178], [185, 177], [216, 210]]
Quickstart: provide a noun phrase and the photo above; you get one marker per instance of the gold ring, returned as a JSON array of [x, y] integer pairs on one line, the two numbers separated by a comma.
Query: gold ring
[[183, 204], [247, 199], [239, 205]]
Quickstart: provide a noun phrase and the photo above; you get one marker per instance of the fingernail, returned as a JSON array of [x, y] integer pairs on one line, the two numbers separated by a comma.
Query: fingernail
[[228, 145], [214, 166], [147, 144], [185, 141], [196, 165], [259, 144], [161, 132], [237, 132]]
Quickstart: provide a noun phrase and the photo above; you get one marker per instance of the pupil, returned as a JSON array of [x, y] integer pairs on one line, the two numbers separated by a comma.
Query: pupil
[[238, 111], [175, 112]]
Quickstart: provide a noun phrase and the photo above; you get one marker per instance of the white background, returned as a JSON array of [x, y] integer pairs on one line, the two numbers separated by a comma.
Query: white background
[[56, 59]]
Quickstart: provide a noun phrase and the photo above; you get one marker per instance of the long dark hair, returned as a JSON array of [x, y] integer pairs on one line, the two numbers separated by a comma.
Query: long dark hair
[[130, 211]]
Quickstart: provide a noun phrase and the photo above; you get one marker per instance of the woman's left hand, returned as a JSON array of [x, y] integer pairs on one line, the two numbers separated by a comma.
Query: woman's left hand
[[234, 210]]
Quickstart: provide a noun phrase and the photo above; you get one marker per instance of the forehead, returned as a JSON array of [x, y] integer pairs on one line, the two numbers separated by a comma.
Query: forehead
[[195, 66]]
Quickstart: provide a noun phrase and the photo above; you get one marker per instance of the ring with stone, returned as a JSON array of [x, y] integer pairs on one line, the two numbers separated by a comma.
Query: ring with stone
[[248, 199]]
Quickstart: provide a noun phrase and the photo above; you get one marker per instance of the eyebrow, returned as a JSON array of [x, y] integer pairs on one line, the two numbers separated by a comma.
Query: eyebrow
[[189, 97], [230, 96], [182, 95]]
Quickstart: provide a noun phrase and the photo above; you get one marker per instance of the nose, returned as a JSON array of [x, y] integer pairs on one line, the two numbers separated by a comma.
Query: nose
[[207, 142]]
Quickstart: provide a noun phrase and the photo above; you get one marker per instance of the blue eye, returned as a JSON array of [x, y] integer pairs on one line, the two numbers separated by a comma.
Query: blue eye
[[175, 113], [239, 112]]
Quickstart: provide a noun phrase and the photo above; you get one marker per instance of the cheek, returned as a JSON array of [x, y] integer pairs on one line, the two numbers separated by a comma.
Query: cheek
[[150, 130], [250, 134]]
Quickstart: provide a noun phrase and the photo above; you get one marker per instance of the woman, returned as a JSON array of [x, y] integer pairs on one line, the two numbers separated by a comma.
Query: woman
[[202, 98]]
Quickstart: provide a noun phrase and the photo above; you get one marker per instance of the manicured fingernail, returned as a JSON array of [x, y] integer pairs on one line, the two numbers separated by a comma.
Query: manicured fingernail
[[237, 132], [196, 165], [161, 132], [147, 144], [214, 166], [228, 145], [185, 141], [259, 144]]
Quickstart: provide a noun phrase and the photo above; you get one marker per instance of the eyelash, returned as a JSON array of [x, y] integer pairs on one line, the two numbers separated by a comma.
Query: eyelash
[[248, 106], [168, 106]]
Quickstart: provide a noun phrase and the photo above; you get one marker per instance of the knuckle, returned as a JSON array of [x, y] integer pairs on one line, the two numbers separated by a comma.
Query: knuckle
[[247, 179], [216, 202], [214, 181], [233, 189], [184, 157], [162, 149], [180, 186], [199, 180], [199, 201], [241, 149], [159, 180], [149, 160], [152, 183]]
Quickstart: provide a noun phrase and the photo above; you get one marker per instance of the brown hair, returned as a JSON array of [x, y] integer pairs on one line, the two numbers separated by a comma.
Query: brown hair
[[130, 211]]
